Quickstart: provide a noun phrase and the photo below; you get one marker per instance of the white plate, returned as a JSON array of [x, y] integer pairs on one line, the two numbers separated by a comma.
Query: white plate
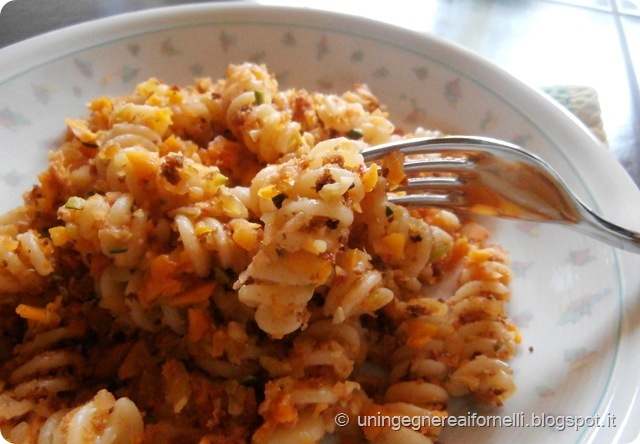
[[575, 300]]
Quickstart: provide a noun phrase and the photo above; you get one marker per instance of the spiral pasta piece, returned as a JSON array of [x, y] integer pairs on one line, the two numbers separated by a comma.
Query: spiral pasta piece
[[356, 111], [41, 368], [326, 348], [399, 422], [102, 420], [304, 408], [399, 239], [308, 207], [107, 225], [484, 337], [356, 288], [251, 116], [26, 260], [489, 380]]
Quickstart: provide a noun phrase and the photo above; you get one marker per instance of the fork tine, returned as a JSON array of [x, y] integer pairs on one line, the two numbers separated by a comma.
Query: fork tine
[[442, 191], [453, 199], [433, 164], [425, 145], [418, 146], [430, 191], [431, 183], [495, 178], [483, 176]]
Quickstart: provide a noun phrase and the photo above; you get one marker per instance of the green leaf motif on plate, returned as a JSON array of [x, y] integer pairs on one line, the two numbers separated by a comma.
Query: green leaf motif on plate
[[196, 69], [580, 257], [167, 48], [453, 92], [416, 114], [134, 49], [12, 120], [357, 56], [42, 93], [289, 39], [85, 67], [381, 73], [226, 41], [322, 48], [580, 307], [422, 73], [258, 57], [489, 121], [129, 73]]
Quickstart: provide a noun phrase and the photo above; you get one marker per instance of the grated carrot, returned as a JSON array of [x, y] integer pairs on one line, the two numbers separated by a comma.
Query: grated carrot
[[474, 232], [421, 334], [135, 362], [479, 256], [46, 315], [269, 192], [393, 245], [370, 178], [199, 324], [161, 280], [458, 252], [58, 236], [283, 409], [98, 264], [37, 314], [170, 145], [199, 293], [516, 332], [100, 104], [145, 164], [396, 169], [246, 235]]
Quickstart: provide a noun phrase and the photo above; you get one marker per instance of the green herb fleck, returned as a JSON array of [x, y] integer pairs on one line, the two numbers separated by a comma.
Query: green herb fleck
[[118, 250], [332, 224], [249, 381], [75, 203], [439, 250], [259, 96], [278, 200], [355, 134], [388, 211], [221, 276]]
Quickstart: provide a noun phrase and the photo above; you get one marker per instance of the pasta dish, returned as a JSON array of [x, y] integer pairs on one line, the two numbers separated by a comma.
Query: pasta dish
[[215, 263]]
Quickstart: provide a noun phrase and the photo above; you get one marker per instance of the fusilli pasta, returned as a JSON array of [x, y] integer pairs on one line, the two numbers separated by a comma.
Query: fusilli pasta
[[216, 263]]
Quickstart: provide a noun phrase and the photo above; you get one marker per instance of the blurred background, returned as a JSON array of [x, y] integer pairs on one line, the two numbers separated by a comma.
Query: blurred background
[[584, 53]]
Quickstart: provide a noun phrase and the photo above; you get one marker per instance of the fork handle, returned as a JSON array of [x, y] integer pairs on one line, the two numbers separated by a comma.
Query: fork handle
[[594, 226]]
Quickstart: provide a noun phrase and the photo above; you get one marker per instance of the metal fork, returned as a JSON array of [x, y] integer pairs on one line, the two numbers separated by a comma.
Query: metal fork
[[494, 178]]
